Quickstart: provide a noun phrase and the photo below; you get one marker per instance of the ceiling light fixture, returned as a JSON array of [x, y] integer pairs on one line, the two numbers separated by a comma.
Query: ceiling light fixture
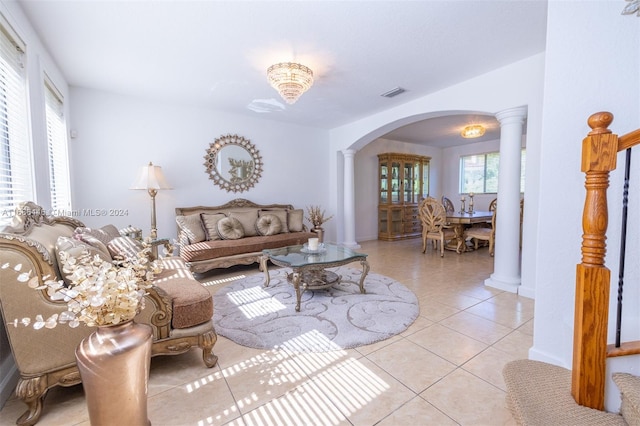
[[290, 80], [472, 131]]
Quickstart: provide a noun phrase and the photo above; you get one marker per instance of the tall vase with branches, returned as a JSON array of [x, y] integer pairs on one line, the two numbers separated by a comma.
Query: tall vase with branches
[[317, 217]]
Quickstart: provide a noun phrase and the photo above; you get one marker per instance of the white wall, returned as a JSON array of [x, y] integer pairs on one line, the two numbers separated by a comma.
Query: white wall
[[593, 63], [117, 134], [366, 180]]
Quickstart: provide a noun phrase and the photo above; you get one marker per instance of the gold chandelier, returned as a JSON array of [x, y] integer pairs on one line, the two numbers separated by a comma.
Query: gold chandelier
[[290, 80], [473, 131]]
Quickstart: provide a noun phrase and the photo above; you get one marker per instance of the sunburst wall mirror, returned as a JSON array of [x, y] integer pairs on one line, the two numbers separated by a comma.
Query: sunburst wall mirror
[[233, 163]]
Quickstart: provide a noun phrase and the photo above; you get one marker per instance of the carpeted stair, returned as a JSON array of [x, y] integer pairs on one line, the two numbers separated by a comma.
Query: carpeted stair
[[540, 394]]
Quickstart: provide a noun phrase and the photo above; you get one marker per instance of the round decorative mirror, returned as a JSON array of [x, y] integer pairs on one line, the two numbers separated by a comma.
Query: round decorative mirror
[[233, 163]]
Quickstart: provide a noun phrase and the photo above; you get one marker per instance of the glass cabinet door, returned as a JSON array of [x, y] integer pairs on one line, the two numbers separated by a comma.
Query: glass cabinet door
[[425, 181], [407, 190], [384, 183], [396, 184]]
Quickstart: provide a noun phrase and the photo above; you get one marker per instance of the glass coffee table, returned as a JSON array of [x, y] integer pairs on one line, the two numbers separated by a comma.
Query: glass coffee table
[[309, 268]]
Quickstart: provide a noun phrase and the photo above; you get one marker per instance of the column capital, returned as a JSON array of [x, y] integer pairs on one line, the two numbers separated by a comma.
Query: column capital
[[512, 115], [348, 152]]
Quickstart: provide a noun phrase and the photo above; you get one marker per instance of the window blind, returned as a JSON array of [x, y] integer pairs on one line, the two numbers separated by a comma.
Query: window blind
[[16, 170], [59, 182]]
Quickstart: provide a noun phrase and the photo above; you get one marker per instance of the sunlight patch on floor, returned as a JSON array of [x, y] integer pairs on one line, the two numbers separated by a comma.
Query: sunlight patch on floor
[[209, 283]]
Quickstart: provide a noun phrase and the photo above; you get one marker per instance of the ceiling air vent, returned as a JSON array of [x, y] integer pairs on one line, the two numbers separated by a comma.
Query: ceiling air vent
[[393, 92]]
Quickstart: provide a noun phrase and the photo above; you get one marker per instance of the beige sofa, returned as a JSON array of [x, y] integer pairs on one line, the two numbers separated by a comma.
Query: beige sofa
[[178, 308], [236, 233]]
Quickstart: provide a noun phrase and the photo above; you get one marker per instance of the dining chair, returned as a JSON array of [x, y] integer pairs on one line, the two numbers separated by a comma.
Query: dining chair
[[448, 205], [433, 217], [483, 234], [493, 204]]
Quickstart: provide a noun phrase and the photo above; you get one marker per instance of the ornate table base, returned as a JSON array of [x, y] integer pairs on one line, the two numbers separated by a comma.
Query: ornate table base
[[313, 274]]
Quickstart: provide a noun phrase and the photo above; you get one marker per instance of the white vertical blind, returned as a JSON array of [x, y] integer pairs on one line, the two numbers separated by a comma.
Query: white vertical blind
[[59, 182], [16, 170]]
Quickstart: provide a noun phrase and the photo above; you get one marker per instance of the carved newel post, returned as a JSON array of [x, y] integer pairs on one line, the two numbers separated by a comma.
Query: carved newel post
[[599, 150]]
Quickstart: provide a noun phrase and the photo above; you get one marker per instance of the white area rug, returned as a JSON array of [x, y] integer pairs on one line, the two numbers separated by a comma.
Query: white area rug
[[336, 318]]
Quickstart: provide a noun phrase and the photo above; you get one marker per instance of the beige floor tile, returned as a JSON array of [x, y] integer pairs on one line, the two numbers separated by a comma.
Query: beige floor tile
[[507, 316], [202, 401], [417, 412], [476, 327], [367, 349], [434, 310], [362, 391], [516, 344], [449, 344], [411, 364], [62, 407], [488, 366], [527, 327], [468, 400], [260, 378], [419, 324], [307, 404]]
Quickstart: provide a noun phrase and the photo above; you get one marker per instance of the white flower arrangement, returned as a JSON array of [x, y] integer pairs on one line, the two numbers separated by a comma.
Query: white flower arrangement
[[100, 293]]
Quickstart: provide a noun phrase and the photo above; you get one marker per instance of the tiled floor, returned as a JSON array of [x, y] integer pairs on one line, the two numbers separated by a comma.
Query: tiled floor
[[444, 370]]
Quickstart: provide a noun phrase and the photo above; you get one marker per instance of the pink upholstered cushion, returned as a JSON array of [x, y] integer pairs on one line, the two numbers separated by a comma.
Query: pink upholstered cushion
[[192, 303]]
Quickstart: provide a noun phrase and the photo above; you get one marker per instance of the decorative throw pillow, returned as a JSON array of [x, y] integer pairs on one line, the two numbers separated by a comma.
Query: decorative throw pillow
[[268, 224], [104, 234], [210, 222], [230, 228], [295, 220], [248, 220], [281, 214], [125, 248], [191, 227], [93, 242], [629, 386], [75, 248]]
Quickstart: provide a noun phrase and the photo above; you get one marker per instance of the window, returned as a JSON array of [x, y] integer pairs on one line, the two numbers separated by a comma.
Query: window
[[479, 173], [16, 175], [57, 148]]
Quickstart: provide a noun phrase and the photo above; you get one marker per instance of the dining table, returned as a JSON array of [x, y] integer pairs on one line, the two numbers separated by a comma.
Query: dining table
[[458, 221]]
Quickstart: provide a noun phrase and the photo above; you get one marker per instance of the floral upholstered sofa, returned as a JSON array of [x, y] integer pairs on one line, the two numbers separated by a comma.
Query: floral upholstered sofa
[[236, 233], [177, 307]]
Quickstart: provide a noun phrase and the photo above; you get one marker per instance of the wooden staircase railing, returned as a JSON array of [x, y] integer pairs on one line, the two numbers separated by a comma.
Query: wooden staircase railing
[[590, 350]]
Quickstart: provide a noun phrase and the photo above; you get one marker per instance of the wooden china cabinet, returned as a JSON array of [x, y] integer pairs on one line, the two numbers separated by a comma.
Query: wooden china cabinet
[[403, 181]]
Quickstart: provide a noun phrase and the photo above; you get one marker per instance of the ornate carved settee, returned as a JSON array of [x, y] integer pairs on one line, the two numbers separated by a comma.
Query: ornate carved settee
[[236, 233], [177, 307]]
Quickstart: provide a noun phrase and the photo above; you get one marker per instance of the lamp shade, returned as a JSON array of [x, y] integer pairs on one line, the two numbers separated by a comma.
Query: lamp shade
[[150, 177]]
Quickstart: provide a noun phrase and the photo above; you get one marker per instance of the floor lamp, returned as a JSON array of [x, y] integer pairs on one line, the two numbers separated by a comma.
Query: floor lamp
[[151, 178]]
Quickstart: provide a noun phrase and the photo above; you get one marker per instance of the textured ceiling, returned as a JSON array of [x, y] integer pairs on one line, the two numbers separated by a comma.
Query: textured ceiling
[[215, 53]]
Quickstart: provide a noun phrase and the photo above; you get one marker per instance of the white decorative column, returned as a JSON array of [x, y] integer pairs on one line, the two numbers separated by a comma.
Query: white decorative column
[[349, 200], [506, 269]]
